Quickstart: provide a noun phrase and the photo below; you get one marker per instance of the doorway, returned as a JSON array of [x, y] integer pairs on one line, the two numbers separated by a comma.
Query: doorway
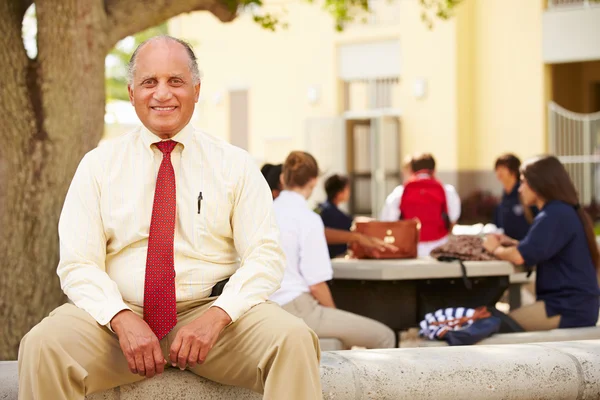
[[373, 161]]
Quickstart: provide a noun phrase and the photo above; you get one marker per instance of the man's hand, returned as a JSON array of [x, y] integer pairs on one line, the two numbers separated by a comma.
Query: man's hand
[[193, 342], [374, 243], [139, 344]]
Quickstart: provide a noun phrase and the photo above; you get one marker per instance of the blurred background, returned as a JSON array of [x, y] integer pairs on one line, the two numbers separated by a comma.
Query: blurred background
[[498, 76]]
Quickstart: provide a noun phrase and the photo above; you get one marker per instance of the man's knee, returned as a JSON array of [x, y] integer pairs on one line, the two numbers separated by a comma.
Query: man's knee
[[36, 342], [297, 334], [36, 351], [50, 336]]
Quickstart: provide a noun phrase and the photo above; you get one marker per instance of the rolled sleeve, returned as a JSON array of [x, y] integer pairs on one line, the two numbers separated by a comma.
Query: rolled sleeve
[[545, 239], [453, 201], [81, 268], [315, 265], [256, 239], [391, 208]]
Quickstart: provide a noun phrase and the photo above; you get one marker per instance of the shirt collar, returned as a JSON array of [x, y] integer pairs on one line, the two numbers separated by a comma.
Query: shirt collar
[[184, 136], [423, 175], [328, 203], [292, 197]]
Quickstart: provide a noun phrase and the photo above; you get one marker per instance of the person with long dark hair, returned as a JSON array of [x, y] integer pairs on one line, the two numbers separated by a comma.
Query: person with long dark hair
[[304, 291], [561, 244]]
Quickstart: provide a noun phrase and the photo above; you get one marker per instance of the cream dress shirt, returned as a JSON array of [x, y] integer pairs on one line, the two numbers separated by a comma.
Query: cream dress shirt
[[105, 221]]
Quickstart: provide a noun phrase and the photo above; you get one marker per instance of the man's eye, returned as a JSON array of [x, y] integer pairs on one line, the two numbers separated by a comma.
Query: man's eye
[[148, 82], [176, 81]]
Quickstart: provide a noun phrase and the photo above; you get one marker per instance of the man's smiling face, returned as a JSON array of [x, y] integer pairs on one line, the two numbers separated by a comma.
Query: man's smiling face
[[163, 91]]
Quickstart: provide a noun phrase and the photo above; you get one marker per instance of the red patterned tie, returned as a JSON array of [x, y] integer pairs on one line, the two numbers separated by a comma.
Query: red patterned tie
[[160, 311]]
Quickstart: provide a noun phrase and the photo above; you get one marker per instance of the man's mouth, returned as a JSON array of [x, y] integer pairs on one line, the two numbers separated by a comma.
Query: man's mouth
[[163, 108]]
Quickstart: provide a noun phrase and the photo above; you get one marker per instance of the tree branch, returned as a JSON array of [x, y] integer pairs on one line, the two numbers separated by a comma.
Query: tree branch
[[126, 17]]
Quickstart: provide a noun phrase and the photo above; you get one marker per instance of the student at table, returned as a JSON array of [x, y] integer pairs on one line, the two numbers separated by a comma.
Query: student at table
[[304, 291], [272, 173], [339, 237], [561, 244], [337, 188], [422, 196], [511, 215]]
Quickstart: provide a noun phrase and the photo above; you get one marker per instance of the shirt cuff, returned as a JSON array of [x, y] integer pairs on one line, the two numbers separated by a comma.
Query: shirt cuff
[[234, 307], [110, 313], [319, 279]]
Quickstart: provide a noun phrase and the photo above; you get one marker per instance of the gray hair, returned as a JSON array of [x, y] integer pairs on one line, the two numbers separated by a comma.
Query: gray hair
[[193, 62]]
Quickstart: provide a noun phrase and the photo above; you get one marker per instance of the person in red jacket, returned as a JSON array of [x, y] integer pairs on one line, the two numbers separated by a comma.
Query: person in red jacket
[[422, 196]]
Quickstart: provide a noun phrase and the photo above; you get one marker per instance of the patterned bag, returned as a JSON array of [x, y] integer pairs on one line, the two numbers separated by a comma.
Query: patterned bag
[[463, 247]]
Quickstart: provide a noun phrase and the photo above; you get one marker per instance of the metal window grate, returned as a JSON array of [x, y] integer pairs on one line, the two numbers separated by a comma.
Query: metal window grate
[[378, 93]]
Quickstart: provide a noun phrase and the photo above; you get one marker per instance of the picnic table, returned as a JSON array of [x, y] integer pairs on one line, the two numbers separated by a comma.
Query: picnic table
[[399, 293]]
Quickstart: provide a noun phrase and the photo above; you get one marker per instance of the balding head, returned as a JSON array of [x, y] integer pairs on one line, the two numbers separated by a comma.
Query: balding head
[[193, 63], [164, 86]]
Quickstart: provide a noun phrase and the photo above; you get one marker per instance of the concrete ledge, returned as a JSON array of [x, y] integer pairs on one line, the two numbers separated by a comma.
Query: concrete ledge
[[555, 335], [564, 370], [567, 370]]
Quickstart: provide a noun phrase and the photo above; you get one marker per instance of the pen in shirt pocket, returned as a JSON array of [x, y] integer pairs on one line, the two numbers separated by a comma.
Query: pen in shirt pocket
[[199, 202]]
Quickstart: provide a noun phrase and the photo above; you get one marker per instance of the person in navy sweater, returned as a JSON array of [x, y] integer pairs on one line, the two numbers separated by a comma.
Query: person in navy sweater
[[337, 188], [511, 215], [561, 244]]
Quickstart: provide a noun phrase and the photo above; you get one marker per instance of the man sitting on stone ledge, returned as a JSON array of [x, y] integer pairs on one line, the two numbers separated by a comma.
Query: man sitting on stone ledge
[[152, 222]]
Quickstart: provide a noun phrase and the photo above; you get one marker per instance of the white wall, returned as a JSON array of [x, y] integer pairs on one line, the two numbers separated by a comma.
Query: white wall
[[571, 34]]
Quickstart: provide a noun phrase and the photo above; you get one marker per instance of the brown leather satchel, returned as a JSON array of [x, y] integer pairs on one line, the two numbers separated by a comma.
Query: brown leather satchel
[[403, 234]]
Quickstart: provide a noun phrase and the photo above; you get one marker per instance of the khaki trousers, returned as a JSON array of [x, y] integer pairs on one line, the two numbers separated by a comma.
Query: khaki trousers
[[351, 329], [69, 355], [534, 317]]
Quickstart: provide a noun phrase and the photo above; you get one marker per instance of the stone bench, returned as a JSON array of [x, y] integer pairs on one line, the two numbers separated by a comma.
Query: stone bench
[[555, 335], [561, 370]]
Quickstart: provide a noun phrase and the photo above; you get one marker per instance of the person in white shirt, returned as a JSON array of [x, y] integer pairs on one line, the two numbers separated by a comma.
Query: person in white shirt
[[415, 167], [153, 225], [304, 291]]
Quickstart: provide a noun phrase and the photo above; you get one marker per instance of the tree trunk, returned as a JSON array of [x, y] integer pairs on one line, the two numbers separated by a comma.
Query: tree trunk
[[53, 110], [53, 113]]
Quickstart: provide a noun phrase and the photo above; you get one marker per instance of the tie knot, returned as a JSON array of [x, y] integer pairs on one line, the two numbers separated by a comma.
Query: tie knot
[[166, 146]]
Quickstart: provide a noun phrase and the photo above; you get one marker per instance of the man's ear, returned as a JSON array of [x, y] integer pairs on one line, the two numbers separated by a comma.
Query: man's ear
[[130, 91], [196, 92]]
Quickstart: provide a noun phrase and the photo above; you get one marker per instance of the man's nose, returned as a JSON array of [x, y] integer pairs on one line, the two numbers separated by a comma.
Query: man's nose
[[162, 92]]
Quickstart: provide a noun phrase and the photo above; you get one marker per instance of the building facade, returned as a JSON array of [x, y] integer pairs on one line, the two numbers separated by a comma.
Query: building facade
[[467, 90]]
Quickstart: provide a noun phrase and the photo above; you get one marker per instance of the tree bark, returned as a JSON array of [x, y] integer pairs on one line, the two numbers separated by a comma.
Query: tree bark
[[53, 113]]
